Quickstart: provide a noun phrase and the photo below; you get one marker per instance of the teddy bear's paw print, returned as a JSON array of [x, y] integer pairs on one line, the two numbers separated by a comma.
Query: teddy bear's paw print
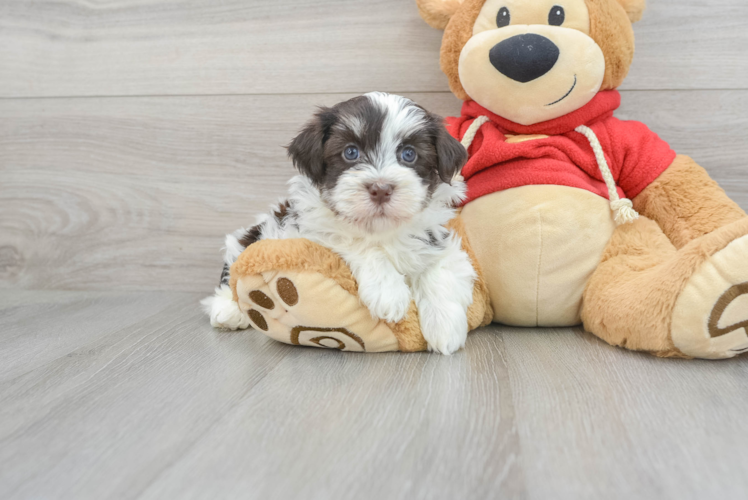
[[309, 309], [730, 314], [710, 319]]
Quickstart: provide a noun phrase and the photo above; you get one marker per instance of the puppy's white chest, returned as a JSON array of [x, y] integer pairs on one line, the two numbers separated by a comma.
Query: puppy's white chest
[[411, 259]]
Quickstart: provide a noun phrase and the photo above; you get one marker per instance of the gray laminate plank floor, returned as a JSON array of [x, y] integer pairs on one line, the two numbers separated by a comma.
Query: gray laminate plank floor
[[133, 395], [208, 47]]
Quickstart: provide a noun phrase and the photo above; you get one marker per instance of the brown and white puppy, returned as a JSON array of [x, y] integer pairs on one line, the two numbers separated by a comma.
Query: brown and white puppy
[[379, 181]]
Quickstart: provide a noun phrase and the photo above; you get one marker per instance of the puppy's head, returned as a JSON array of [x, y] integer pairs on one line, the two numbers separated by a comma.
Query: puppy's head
[[377, 158]]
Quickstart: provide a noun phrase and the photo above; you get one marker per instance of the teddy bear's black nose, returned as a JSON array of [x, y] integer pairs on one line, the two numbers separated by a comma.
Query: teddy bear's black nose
[[524, 58]]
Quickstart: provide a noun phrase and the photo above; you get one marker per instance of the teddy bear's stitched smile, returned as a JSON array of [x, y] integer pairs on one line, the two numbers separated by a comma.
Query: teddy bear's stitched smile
[[567, 94]]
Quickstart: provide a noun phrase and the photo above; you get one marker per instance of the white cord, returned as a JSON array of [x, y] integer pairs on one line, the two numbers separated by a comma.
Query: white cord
[[467, 139], [623, 209]]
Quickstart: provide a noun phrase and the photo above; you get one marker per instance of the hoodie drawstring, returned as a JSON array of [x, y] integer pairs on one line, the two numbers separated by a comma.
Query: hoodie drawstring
[[467, 139], [623, 208]]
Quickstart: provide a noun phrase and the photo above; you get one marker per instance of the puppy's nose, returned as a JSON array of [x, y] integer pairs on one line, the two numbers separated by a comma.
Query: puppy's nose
[[524, 58], [380, 193]]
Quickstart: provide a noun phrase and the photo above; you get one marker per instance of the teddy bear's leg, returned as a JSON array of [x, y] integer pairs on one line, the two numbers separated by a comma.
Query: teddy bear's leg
[[686, 202], [690, 302], [300, 293]]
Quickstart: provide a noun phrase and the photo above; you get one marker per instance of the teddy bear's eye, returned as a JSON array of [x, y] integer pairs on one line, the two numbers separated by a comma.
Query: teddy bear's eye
[[556, 16], [503, 17]]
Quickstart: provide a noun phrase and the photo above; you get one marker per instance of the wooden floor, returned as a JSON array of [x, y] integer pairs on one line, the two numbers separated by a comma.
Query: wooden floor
[[134, 134], [133, 395]]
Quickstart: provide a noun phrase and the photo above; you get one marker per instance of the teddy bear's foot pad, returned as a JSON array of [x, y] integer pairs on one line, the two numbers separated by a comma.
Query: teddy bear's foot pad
[[710, 319], [309, 309]]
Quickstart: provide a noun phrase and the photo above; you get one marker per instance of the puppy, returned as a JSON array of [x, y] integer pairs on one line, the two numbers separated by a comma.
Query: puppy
[[379, 181]]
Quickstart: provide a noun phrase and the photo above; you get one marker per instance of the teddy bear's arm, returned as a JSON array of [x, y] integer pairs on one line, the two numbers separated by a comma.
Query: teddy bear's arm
[[686, 203]]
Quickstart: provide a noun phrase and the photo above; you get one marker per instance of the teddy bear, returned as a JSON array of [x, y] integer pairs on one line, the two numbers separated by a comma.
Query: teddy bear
[[572, 215]]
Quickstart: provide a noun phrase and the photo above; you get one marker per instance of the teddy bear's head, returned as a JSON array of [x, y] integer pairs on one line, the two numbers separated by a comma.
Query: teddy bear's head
[[534, 60]]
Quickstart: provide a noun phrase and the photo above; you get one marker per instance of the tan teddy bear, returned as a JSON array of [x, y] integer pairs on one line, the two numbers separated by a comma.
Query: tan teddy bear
[[573, 215]]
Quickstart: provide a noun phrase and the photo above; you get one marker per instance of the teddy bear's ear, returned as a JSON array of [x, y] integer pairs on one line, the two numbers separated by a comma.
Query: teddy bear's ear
[[437, 13], [634, 8]]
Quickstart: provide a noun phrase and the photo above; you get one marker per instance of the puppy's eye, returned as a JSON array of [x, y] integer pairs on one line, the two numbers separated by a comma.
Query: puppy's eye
[[350, 153], [408, 154], [556, 16], [503, 18]]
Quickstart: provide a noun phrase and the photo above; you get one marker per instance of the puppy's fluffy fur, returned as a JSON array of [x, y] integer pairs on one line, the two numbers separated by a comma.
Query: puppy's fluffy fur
[[394, 240]]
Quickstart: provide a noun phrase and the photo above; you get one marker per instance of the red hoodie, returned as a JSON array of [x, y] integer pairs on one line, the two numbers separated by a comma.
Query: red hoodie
[[635, 154]]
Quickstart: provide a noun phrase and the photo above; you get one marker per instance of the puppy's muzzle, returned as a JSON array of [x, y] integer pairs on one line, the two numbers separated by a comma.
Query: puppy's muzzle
[[524, 58], [380, 193]]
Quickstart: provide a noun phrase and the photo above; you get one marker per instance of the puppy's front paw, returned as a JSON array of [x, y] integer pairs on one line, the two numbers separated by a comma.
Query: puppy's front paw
[[389, 302], [445, 329], [223, 311]]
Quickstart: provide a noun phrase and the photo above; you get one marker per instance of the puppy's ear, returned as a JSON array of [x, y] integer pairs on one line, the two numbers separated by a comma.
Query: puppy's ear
[[451, 154], [307, 149], [437, 13]]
